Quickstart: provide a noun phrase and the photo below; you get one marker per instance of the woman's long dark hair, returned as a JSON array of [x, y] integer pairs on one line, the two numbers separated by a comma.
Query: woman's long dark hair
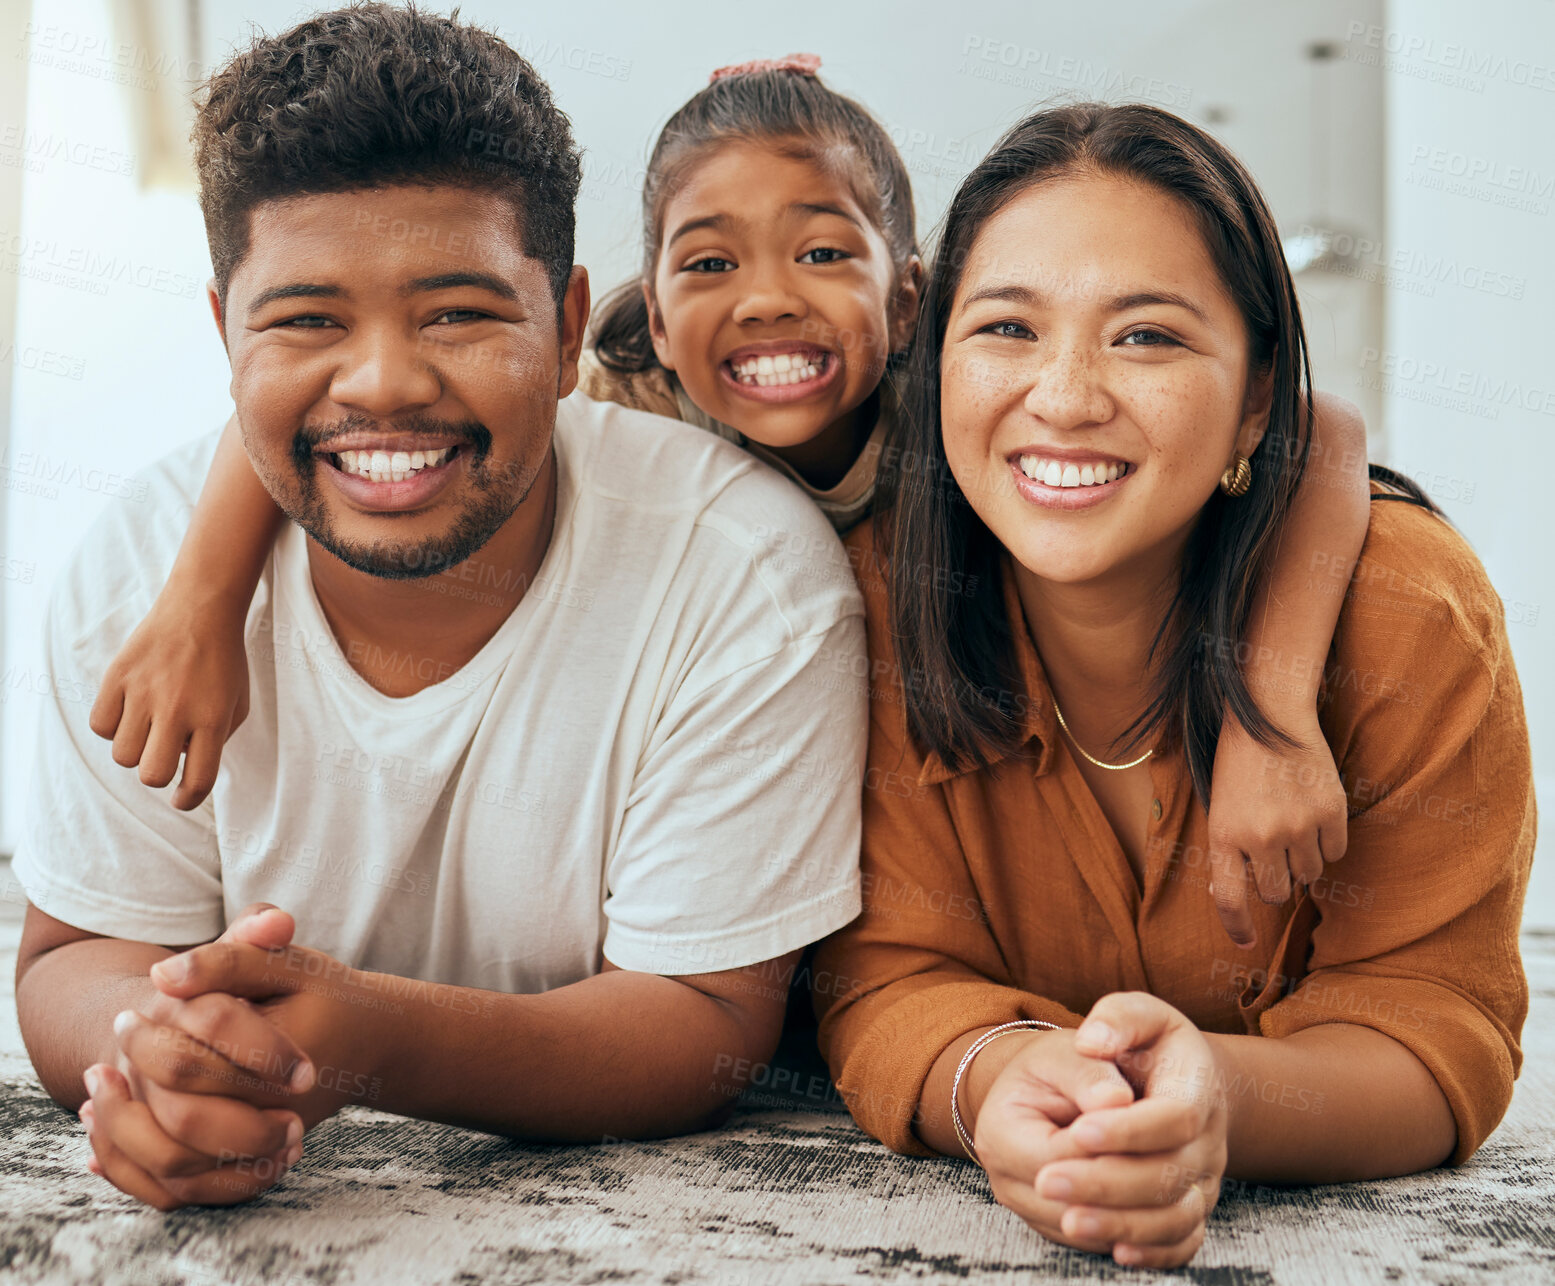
[[954, 650], [797, 114]]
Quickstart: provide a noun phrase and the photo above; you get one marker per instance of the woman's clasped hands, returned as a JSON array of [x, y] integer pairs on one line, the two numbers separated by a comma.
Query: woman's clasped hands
[[1111, 1137]]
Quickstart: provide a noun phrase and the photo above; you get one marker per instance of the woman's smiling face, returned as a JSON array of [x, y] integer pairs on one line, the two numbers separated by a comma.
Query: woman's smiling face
[[772, 295], [1094, 377]]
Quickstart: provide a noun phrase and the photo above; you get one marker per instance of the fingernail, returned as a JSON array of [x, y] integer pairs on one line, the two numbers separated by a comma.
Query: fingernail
[[294, 1132], [301, 1077], [123, 1021], [1089, 1134], [1094, 1032], [93, 1079], [1088, 1226], [295, 1155], [1057, 1186], [173, 970]]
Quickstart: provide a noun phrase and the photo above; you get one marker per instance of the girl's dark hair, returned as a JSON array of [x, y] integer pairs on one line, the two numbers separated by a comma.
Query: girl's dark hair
[[376, 94], [803, 119], [953, 640]]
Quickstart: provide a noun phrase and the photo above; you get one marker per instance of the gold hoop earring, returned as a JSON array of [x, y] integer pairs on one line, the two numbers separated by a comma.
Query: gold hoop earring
[[1238, 477]]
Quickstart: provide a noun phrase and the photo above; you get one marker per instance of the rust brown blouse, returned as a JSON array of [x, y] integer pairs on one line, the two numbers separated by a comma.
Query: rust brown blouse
[[1003, 893]]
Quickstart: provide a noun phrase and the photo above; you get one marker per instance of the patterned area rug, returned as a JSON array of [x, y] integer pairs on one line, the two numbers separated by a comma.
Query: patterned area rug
[[790, 1193]]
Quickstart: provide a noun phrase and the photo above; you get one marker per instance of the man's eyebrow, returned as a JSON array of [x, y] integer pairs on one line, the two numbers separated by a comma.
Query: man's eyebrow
[[1015, 293], [293, 290], [449, 280]]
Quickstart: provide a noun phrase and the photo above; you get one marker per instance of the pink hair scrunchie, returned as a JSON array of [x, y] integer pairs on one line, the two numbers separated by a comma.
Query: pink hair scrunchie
[[799, 64]]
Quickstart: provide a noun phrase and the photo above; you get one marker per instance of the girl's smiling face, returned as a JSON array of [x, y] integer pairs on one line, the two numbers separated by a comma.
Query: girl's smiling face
[[774, 298], [1094, 378]]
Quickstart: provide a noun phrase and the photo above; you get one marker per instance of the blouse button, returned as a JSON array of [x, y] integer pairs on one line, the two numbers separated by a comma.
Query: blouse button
[[1155, 809]]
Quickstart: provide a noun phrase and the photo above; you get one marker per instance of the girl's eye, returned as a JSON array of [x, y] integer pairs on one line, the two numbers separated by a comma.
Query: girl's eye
[[826, 254], [711, 264], [456, 315], [1154, 337], [1009, 330]]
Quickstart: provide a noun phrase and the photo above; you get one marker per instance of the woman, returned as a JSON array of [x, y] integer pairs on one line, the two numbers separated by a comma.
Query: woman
[[1109, 295]]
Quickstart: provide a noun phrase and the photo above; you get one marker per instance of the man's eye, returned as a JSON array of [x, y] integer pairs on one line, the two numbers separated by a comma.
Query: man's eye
[[1008, 330], [711, 264], [1153, 338], [310, 322], [823, 254], [453, 316]]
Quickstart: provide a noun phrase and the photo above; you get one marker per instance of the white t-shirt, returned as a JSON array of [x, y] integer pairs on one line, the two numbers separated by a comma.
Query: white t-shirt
[[658, 756]]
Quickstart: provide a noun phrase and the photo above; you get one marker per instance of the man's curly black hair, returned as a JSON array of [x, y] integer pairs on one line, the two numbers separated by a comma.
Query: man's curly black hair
[[376, 94]]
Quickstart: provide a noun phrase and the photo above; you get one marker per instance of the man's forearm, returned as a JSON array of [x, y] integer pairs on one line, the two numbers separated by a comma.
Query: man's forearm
[[66, 1003], [1330, 1104], [620, 1054]]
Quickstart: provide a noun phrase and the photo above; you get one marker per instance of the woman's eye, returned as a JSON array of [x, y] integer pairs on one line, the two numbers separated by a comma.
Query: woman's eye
[[823, 254], [456, 315], [711, 264], [1008, 330], [1153, 338]]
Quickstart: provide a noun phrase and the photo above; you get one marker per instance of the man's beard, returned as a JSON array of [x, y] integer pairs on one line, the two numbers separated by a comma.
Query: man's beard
[[497, 496]]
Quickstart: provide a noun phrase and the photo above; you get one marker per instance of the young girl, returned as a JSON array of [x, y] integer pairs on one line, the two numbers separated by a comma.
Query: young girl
[[780, 277], [1110, 293]]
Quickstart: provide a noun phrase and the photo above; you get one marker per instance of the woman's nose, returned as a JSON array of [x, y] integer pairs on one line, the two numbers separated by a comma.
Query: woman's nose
[[1067, 389]]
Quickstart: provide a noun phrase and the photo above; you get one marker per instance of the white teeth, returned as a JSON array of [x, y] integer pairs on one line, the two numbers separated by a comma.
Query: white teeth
[[387, 466], [1057, 473], [774, 370]]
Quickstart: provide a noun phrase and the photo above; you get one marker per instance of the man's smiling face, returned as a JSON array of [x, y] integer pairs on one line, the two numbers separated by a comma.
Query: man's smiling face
[[396, 363]]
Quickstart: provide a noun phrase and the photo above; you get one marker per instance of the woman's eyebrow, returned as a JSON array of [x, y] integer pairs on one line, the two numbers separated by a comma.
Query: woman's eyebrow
[[1015, 293], [1169, 297]]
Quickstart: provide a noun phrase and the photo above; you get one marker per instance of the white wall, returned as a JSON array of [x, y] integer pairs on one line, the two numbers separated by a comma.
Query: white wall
[[1466, 370]]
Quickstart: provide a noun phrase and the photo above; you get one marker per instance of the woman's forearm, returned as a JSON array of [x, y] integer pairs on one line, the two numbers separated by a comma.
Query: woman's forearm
[[1329, 1104]]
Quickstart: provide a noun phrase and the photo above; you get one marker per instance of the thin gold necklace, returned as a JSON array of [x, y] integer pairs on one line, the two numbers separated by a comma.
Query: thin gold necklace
[[1132, 763]]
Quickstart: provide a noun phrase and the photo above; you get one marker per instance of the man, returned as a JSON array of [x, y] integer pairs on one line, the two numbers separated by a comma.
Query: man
[[551, 878]]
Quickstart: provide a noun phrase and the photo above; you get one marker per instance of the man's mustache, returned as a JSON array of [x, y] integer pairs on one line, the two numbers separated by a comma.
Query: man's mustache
[[311, 438]]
